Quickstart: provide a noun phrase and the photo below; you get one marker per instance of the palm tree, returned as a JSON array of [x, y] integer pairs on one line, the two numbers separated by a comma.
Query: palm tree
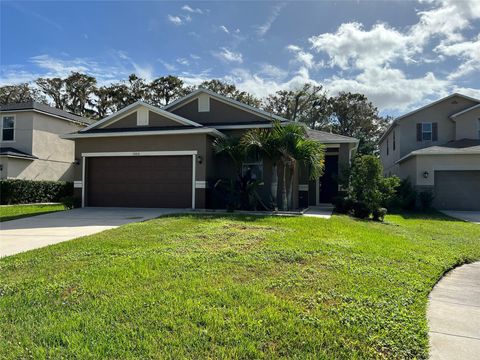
[[265, 143], [296, 148], [231, 147]]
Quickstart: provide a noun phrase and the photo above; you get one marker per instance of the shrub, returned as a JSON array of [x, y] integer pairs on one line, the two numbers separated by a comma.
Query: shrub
[[71, 202], [379, 214], [14, 191], [361, 210], [404, 198], [425, 199], [342, 204]]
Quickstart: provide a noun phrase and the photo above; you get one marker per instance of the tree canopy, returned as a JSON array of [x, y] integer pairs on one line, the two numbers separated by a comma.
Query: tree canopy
[[347, 114]]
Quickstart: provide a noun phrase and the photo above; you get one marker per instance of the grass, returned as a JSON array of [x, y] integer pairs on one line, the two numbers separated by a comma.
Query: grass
[[12, 212], [209, 287]]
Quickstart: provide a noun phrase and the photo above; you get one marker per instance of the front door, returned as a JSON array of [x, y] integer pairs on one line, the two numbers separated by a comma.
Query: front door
[[329, 180]]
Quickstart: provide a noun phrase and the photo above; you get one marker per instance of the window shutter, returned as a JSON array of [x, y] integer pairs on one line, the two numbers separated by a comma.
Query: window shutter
[[434, 131], [419, 132]]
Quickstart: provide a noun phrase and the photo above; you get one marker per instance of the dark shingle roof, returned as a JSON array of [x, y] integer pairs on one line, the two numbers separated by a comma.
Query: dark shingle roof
[[9, 151], [326, 137], [46, 109]]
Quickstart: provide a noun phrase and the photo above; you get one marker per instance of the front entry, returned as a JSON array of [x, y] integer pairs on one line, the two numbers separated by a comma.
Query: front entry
[[329, 180]]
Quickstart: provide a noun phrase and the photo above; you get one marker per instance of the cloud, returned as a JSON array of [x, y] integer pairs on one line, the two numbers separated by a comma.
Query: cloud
[[224, 29], [192, 10], [195, 57], [263, 29], [302, 57], [168, 66], [34, 14], [229, 56], [179, 20], [272, 71], [467, 51], [183, 61]]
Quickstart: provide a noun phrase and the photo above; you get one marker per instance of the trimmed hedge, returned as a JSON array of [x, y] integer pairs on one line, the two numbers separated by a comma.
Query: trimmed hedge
[[14, 191]]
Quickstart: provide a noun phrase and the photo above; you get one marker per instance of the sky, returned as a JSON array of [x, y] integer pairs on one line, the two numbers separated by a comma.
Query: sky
[[400, 54]]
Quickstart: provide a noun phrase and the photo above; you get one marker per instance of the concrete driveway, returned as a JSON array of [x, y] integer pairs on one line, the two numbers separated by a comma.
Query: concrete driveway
[[470, 216], [37, 231]]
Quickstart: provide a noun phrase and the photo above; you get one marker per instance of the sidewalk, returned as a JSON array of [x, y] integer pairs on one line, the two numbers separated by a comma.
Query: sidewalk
[[454, 315]]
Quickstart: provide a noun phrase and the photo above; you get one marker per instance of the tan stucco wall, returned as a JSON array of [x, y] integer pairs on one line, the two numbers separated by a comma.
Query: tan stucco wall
[[23, 131], [39, 135], [438, 113], [468, 125], [416, 166], [388, 161]]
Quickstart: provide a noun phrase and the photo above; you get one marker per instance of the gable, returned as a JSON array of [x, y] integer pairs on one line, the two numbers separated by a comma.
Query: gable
[[216, 112], [131, 121]]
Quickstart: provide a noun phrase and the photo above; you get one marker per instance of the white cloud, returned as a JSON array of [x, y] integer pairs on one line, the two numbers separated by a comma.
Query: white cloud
[[265, 27], [224, 29], [467, 51], [183, 61], [272, 71], [229, 56], [175, 19], [301, 56], [195, 57], [168, 66], [192, 10]]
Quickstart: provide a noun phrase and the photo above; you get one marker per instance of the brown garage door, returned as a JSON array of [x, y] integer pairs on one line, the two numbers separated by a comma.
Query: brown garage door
[[457, 190], [139, 181]]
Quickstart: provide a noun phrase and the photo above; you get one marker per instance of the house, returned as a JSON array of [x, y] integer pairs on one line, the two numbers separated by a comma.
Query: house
[[438, 148], [145, 156], [30, 145]]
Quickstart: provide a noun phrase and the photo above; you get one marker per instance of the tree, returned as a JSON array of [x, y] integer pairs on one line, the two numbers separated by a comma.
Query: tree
[[353, 115], [21, 93], [309, 105], [79, 89], [104, 101], [165, 89], [231, 91], [55, 89]]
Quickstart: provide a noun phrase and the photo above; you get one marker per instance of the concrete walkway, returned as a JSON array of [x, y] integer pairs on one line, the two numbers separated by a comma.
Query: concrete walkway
[[470, 216], [38, 231], [454, 315], [323, 211]]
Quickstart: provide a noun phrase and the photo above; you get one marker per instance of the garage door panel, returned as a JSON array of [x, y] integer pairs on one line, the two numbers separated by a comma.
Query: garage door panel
[[140, 181], [457, 190]]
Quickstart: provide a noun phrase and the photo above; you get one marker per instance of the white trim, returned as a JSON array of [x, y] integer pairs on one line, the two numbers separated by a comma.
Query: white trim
[[193, 153], [77, 184], [202, 130], [201, 184], [17, 157], [332, 145], [464, 111], [14, 128], [303, 187], [194, 167], [441, 152], [246, 126], [141, 153], [84, 159], [154, 109], [193, 95]]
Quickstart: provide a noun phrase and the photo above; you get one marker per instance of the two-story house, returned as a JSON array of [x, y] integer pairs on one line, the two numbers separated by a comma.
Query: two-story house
[[30, 144], [438, 148]]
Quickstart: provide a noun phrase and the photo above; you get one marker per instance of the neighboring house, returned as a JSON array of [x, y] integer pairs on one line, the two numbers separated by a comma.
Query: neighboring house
[[438, 148], [30, 144], [144, 156]]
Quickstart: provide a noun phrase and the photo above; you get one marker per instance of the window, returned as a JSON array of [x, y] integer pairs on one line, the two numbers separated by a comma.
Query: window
[[8, 128], [387, 146], [479, 128], [426, 131], [393, 140], [253, 167]]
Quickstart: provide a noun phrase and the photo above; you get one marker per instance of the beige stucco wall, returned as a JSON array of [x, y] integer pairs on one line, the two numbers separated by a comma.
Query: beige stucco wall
[[468, 125], [23, 131], [389, 161], [416, 166], [438, 113], [39, 135]]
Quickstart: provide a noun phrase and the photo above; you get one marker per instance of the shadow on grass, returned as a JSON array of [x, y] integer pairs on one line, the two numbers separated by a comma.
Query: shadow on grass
[[427, 215], [20, 216]]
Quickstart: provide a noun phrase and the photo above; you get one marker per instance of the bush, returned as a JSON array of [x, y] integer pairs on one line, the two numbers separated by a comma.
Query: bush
[[71, 202], [342, 204], [379, 214], [404, 198], [425, 199], [361, 210], [13, 191]]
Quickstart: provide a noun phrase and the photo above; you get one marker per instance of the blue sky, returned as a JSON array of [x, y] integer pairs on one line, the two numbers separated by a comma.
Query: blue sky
[[401, 54]]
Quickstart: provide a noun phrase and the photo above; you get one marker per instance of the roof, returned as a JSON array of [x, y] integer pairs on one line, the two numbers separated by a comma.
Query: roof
[[35, 106], [152, 108], [457, 147], [144, 131], [396, 120], [12, 152], [224, 99], [329, 138], [465, 111]]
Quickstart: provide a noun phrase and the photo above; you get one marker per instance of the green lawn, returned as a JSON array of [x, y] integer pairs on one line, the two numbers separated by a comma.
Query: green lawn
[[19, 211], [232, 287]]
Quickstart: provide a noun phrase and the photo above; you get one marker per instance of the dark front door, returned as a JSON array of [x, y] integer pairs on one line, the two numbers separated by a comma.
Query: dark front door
[[329, 180], [139, 181]]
